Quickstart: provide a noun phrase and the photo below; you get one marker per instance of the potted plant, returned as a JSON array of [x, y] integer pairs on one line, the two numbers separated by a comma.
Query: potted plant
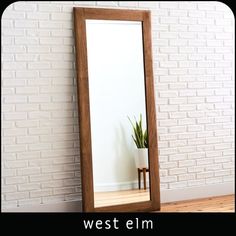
[[140, 138]]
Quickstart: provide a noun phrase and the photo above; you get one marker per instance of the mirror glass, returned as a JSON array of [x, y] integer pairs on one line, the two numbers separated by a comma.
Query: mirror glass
[[117, 94]]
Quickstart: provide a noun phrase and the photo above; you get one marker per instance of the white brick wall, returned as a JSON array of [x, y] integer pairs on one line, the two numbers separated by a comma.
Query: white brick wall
[[193, 48]]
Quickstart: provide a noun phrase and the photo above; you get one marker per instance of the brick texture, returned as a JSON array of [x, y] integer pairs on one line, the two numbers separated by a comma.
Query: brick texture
[[193, 49]]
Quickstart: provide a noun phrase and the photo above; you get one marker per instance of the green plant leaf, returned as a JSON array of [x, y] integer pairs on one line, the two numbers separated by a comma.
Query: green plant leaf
[[135, 141], [145, 139], [140, 136]]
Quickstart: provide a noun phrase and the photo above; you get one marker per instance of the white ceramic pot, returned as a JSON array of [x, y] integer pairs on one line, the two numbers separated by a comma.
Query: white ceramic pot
[[141, 158]]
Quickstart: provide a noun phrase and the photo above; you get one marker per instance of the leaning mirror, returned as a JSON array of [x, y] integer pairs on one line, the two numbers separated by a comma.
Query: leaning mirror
[[118, 138]]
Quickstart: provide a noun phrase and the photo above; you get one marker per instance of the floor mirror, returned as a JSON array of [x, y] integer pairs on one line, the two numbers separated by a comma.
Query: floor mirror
[[117, 118]]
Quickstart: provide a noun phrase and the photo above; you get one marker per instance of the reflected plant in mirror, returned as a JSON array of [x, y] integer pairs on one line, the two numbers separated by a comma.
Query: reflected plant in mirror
[[140, 138]]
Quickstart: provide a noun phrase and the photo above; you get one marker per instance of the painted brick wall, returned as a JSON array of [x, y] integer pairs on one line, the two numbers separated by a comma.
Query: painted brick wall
[[193, 48]]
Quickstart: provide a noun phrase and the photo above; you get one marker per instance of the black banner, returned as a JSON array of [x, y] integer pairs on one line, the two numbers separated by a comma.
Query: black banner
[[164, 223]]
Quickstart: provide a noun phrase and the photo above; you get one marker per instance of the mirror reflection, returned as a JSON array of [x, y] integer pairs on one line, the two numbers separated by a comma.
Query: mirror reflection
[[117, 112]]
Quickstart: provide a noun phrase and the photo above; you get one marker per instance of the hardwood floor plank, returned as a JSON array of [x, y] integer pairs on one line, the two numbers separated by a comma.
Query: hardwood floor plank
[[212, 204], [121, 197]]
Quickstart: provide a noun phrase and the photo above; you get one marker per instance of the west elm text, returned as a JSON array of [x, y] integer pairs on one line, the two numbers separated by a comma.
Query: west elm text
[[114, 224]]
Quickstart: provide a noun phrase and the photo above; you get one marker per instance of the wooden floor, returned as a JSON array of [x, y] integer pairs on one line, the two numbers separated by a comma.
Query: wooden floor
[[120, 197], [213, 204]]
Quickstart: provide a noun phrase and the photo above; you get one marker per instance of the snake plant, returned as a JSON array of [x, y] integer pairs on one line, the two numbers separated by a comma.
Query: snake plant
[[140, 136]]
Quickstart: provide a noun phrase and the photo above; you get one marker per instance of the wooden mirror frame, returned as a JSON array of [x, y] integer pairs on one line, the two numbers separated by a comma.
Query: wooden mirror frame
[[80, 16]]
